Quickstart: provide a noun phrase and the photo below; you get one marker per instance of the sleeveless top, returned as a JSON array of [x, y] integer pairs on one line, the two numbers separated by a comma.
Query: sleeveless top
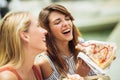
[[35, 70], [70, 61], [55, 75]]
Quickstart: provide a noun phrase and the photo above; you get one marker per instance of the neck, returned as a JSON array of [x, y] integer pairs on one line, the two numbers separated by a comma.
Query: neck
[[64, 48], [25, 70]]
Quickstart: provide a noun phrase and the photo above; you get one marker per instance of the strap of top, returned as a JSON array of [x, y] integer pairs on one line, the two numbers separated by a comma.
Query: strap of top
[[12, 70], [37, 73]]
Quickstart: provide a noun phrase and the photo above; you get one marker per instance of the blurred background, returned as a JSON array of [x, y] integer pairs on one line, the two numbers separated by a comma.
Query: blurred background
[[96, 19]]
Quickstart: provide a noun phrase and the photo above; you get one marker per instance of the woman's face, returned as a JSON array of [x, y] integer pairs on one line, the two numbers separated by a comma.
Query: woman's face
[[61, 26], [37, 38]]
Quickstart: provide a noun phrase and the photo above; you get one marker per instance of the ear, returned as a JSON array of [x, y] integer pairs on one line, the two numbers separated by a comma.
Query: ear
[[24, 36]]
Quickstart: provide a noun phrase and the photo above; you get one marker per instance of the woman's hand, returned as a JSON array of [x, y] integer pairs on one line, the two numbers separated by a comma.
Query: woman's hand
[[82, 68], [73, 77], [80, 47]]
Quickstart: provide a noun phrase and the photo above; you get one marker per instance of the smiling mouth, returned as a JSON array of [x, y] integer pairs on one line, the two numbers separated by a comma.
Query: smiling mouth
[[66, 31]]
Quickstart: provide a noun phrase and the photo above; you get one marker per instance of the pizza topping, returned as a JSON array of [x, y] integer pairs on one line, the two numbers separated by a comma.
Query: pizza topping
[[97, 50]]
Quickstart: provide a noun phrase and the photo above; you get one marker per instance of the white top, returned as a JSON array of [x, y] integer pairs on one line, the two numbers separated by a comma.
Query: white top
[[71, 63]]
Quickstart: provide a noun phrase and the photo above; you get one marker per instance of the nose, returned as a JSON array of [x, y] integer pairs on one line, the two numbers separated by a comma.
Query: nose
[[65, 23]]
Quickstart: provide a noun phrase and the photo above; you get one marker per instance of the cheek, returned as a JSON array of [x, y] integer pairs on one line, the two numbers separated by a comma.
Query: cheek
[[71, 24], [37, 37], [55, 30]]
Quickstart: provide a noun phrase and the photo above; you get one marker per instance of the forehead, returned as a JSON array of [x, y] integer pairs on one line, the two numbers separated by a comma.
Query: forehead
[[55, 15], [33, 19], [33, 22]]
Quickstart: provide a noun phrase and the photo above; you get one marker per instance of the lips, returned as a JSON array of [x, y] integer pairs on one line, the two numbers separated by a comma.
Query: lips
[[66, 31]]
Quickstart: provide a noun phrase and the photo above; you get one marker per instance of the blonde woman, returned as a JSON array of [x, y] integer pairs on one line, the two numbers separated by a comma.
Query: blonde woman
[[21, 39]]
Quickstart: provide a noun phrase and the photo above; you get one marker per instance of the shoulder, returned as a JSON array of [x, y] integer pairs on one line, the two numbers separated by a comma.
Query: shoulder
[[44, 65], [42, 60], [7, 75]]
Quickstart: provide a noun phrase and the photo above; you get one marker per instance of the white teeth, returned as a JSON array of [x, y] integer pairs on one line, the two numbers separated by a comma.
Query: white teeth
[[67, 30]]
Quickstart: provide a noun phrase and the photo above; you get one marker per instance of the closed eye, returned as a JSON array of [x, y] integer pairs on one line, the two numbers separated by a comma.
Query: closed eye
[[57, 21]]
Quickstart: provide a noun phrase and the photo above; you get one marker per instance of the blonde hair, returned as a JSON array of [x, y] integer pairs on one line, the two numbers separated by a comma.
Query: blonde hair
[[11, 48]]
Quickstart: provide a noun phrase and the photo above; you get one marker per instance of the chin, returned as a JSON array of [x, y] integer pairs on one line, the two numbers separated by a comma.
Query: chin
[[71, 38], [45, 49]]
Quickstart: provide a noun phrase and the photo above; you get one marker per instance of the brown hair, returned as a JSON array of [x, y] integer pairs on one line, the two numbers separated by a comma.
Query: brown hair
[[53, 50]]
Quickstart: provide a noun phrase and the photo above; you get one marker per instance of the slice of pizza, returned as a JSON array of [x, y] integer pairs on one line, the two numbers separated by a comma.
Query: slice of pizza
[[101, 53]]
